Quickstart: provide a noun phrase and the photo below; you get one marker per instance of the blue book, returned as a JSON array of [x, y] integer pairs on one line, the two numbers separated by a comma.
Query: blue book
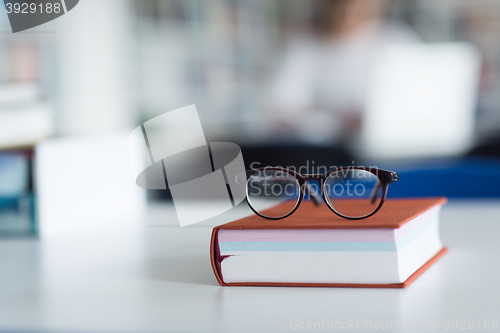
[[17, 216], [17, 202], [14, 173]]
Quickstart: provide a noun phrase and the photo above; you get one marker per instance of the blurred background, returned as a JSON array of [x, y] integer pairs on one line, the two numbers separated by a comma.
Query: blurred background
[[404, 84]]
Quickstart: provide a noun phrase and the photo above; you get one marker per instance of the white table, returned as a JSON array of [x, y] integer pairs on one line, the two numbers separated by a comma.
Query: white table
[[128, 276]]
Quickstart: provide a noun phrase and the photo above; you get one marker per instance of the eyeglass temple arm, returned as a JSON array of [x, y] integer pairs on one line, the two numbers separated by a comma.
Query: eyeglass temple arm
[[373, 196], [314, 195], [394, 177]]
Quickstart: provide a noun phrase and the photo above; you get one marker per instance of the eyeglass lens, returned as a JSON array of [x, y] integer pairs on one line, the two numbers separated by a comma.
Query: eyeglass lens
[[353, 193], [273, 193]]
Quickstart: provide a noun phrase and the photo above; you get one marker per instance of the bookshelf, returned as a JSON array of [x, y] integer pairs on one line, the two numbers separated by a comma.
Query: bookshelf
[[26, 118], [222, 54], [216, 54]]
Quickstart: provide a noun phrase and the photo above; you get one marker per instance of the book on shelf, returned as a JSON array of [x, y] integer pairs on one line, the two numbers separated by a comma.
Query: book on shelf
[[17, 200], [314, 247], [26, 118], [14, 172], [17, 215]]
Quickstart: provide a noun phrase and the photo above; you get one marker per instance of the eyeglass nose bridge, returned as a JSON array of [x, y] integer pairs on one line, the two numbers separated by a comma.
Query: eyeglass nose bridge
[[308, 180], [313, 176]]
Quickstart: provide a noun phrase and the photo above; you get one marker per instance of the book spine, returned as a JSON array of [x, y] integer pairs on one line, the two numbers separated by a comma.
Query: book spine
[[215, 257]]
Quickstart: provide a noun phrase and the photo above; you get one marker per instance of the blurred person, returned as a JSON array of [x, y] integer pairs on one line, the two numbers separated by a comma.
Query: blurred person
[[320, 89], [478, 24]]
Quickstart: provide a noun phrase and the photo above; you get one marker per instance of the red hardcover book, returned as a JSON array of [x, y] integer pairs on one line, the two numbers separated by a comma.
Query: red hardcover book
[[316, 248]]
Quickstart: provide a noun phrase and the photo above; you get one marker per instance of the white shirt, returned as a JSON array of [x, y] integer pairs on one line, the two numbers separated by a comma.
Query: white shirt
[[320, 81]]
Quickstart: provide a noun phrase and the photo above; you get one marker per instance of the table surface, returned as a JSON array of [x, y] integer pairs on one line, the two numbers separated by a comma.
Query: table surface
[[153, 276]]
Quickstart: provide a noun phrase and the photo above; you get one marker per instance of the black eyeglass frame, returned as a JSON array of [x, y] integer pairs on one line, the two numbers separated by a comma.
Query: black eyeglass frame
[[385, 178]]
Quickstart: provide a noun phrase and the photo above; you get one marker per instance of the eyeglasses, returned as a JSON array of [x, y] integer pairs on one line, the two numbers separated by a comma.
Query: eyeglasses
[[353, 192]]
